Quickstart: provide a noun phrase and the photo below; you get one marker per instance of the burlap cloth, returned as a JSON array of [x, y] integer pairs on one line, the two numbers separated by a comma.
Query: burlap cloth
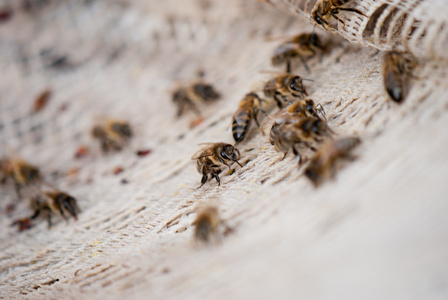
[[378, 231]]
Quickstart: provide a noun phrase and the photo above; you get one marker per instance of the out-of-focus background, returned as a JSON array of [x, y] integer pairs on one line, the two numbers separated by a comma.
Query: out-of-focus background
[[379, 230]]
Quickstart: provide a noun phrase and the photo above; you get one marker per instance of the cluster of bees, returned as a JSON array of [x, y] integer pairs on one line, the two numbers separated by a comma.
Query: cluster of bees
[[43, 197], [28, 182], [300, 125]]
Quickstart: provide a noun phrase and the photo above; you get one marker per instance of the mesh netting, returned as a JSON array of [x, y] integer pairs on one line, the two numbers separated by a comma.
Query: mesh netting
[[378, 229]]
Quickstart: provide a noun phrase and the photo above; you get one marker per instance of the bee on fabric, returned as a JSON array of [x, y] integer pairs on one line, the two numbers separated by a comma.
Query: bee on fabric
[[55, 202], [324, 10], [20, 172], [323, 165], [303, 46], [113, 136], [206, 225], [212, 157], [285, 89], [302, 108], [295, 134], [249, 109], [191, 96], [396, 75]]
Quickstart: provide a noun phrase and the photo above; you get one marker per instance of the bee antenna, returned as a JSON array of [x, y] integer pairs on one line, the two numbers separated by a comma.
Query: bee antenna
[[307, 79]]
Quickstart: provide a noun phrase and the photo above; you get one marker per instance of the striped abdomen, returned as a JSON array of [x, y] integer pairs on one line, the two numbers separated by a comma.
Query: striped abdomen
[[240, 124]]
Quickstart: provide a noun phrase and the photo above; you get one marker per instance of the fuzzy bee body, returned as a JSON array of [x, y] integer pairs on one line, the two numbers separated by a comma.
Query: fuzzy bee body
[[303, 46], [212, 157], [206, 224], [113, 136], [396, 73], [285, 89], [296, 133], [322, 166], [54, 202], [324, 10], [191, 96], [20, 172], [248, 110]]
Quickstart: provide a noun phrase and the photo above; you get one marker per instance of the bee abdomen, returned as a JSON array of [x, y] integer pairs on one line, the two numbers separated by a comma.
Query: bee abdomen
[[240, 126]]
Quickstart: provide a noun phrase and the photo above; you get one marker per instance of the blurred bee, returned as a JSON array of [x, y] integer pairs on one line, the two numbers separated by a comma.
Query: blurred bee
[[303, 46], [396, 73], [212, 156], [54, 202], [206, 225], [294, 134], [248, 110], [325, 9], [193, 95], [20, 172], [113, 136], [323, 165], [285, 89]]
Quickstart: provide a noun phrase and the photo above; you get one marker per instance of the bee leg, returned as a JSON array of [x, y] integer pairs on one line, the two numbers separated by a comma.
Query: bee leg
[[36, 214], [18, 188], [288, 65], [255, 112], [203, 181], [105, 146], [297, 154], [62, 213], [195, 109], [49, 218], [321, 111], [217, 179], [180, 110], [279, 101], [284, 156], [304, 63]]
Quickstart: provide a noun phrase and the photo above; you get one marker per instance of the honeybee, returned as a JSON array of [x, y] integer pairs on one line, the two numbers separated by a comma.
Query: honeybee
[[322, 166], [303, 108], [212, 156], [113, 136], [396, 73], [20, 172], [325, 9], [302, 46], [193, 95], [285, 89], [206, 224], [54, 202], [294, 134], [248, 110]]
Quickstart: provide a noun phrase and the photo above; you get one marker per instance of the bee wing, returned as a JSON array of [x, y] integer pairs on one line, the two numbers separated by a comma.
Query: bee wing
[[285, 48], [267, 123], [270, 85], [206, 150]]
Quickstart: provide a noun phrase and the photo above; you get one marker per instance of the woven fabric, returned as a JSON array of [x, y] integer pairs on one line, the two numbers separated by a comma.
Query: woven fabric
[[378, 230]]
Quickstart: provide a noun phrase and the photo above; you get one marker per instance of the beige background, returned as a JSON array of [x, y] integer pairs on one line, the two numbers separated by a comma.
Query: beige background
[[379, 231]]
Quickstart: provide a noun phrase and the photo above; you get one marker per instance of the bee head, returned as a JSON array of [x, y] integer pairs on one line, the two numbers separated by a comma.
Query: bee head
[[296, 84], [207, 91], [31, 173], [123, 129], [230, 152], [309, 106], [315, 16], [68, 203]]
